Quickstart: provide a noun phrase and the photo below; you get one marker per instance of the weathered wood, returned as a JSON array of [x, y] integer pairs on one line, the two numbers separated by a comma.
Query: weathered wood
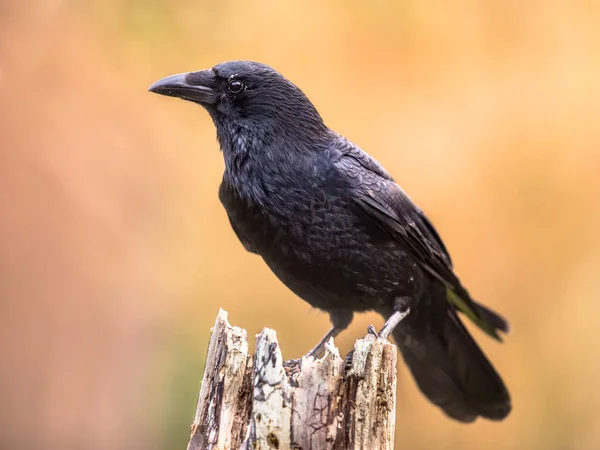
[[223, 409], [317, 417], [248, 402], [271, 403]]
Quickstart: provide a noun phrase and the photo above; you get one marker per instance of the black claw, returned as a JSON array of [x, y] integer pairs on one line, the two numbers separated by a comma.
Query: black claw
[[371, 330], [349, 358], [292, 366]]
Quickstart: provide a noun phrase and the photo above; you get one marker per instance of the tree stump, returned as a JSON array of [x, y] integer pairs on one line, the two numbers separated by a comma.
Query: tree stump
[[251, 401]]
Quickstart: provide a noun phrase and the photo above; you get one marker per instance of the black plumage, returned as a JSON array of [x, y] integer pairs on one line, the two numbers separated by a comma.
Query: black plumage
[[333, 226]]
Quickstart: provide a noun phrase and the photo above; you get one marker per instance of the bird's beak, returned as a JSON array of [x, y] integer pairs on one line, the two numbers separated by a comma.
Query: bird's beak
[[194, 86]]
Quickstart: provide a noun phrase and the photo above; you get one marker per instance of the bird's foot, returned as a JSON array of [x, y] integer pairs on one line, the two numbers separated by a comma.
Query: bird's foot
[[295, 365], [292, 366], [372, 331], [348, 362], [390, 324]]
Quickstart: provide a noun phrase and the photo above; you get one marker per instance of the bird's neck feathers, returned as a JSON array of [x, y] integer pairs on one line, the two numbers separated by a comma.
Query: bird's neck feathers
[[266, 143], [260, 161]]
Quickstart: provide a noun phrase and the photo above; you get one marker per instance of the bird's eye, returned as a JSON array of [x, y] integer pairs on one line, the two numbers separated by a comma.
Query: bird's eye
[[235, 86]]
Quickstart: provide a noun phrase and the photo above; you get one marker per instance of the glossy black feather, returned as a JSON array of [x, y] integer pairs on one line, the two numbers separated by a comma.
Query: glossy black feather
[[333, 225]]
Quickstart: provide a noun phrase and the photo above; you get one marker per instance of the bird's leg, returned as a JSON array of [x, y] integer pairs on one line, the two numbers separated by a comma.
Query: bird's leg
[[340, 321], [401, 310], [317, 349], [391, 323]]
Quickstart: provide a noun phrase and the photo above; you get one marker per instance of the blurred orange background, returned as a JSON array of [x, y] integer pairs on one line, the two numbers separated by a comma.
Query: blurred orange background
[[115, 253]]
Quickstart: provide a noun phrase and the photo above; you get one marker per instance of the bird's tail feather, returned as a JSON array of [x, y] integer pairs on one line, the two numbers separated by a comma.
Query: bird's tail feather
[[494, 319], [450, 368]]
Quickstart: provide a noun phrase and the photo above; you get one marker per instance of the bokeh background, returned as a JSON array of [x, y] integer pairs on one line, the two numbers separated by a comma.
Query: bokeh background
[[115, 253]]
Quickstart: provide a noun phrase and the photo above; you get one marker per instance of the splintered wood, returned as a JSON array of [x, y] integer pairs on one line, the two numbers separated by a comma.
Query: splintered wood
[[250, 402]]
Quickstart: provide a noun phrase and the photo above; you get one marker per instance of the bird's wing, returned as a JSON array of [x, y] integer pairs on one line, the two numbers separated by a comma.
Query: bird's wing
[[384, 201], [359, 161]]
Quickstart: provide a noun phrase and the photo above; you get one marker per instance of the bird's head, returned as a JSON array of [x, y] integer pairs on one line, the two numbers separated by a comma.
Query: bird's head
[[245, 96]]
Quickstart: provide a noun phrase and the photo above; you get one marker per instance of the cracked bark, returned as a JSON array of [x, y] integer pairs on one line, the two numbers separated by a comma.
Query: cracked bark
[[251, 402]]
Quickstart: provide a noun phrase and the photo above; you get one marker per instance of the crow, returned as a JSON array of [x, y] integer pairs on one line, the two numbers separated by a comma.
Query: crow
[[337, 230]]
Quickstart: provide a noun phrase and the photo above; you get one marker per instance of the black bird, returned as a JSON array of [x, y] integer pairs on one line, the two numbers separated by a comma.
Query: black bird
[[336, 229]]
